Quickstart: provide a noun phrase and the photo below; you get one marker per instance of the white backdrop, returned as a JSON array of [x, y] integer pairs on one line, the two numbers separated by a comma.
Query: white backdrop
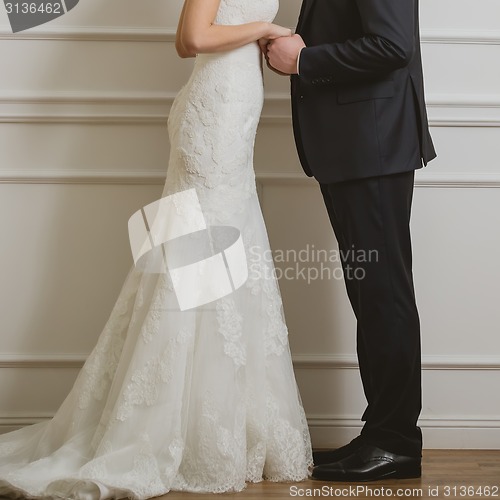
[[83, 144]]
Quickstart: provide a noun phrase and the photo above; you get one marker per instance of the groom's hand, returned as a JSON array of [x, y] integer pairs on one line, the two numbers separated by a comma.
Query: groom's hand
[[274, 70], [263, 44], [282, 54]]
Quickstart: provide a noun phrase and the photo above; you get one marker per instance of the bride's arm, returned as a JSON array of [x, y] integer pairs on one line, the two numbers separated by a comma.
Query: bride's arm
[[182, 51], [197, 33]]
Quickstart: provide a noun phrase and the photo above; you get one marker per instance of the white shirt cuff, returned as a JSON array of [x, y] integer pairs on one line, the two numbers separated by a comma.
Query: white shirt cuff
[[298, 60]]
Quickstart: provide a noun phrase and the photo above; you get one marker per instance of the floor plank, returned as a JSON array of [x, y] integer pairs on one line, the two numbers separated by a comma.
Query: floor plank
[[446, 474]]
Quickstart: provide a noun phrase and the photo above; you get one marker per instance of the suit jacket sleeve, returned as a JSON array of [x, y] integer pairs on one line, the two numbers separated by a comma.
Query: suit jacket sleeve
[[388, 44]]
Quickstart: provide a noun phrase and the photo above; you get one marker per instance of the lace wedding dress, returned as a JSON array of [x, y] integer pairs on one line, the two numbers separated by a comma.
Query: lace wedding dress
[[201, 400]]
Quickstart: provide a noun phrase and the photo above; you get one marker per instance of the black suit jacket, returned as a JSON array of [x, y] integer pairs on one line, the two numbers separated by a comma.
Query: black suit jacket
[[358, 103]]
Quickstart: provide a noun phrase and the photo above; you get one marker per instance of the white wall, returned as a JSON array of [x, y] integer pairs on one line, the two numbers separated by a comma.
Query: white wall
[[83, 107]]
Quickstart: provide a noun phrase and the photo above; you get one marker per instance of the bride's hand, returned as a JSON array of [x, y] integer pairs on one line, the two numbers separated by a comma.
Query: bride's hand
[[275, 31], [263, 45]]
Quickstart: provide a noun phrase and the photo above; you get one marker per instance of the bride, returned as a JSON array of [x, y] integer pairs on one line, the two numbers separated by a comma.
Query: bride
[[199, 400]]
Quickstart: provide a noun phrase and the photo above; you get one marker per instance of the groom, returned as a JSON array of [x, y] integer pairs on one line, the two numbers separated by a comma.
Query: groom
[[361, 130]]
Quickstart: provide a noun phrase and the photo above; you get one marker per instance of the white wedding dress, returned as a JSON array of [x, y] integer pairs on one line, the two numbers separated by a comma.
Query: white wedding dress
[[200, 400]]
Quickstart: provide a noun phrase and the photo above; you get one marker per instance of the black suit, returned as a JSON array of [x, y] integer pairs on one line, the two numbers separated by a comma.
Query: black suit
[[361, 129], [358, 104]]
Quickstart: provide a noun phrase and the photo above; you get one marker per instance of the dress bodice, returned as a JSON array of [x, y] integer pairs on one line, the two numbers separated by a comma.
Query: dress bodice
[[246, 11]]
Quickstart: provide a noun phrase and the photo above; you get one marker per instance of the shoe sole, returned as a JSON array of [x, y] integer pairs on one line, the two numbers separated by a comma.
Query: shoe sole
[[401, 473]]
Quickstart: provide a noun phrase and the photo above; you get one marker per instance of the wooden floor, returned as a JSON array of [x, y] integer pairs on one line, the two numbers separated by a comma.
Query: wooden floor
[[446, 474]]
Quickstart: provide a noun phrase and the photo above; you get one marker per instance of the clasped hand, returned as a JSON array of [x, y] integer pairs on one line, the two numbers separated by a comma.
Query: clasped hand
[[281, 53]]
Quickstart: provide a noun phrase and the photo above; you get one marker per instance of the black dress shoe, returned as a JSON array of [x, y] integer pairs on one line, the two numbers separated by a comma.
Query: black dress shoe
[[369, 463], [328, 456]]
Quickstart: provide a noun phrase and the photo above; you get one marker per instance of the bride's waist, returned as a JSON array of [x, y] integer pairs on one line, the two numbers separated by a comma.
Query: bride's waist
[[246, 54]]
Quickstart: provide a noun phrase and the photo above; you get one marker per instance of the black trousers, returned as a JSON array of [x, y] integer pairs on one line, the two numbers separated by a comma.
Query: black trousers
[[370, 218]]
